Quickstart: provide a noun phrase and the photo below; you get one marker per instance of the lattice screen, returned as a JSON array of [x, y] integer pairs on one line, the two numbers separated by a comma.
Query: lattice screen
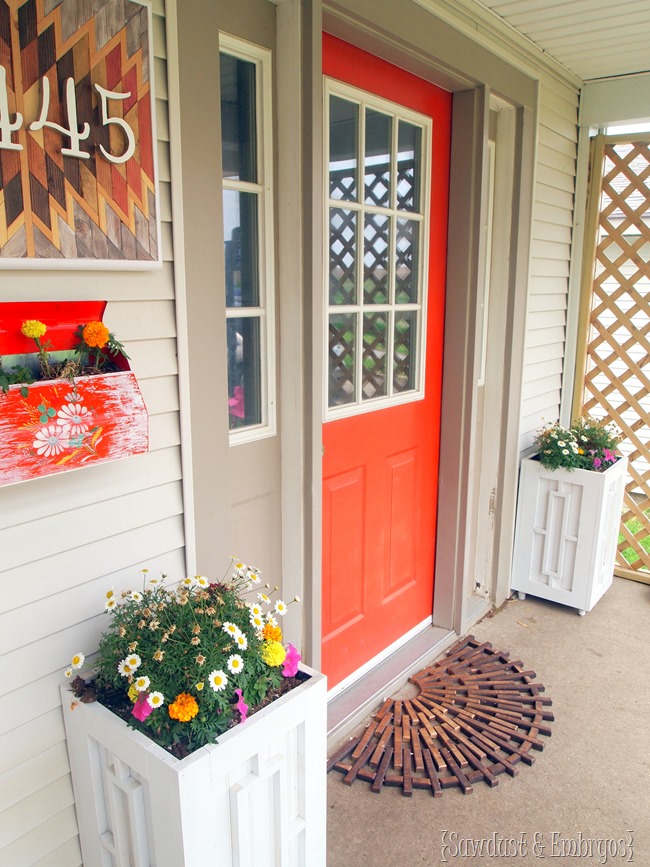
[[617, 375]]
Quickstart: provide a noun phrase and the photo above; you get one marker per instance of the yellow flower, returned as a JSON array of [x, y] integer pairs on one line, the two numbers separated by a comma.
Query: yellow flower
[[33, 328], [273, 653], [199, 686], [184, 708], [133, 692], [95, 334]]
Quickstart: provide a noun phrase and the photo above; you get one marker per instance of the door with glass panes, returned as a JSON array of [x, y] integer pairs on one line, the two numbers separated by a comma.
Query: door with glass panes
[[387, 149]]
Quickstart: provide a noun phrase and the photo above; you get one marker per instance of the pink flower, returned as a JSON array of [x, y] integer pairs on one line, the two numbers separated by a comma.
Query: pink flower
[[610, 456], [291, 661], [141, 708], [597, 463], [241, 705]]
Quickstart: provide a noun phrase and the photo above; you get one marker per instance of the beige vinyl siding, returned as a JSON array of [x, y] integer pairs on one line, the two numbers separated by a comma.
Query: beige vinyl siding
[[550, 256], [59, 533]]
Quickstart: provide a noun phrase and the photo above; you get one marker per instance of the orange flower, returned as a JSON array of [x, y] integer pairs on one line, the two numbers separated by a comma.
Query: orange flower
[[95, 334], [271, 633], [184, 708]]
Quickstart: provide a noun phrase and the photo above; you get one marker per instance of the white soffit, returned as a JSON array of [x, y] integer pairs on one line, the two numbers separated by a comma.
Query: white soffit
[[591, 38]]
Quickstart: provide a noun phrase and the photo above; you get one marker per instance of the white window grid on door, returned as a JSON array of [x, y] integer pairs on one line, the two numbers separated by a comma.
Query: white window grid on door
[[261, 58], [362, 209]]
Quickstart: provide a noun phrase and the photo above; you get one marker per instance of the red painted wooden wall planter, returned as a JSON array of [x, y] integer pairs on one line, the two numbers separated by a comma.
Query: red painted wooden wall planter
[[65, 424]]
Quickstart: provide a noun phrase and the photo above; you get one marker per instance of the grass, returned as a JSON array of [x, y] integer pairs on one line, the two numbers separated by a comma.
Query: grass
[[634, 525]]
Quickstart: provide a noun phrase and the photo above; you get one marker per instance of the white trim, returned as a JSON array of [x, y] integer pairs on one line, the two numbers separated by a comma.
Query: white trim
[[180, 286], [376, 660], [494, 33], [333, 87], [261, 58]]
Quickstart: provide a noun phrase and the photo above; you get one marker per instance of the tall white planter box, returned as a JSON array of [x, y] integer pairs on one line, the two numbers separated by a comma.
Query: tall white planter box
[[567, 532], [255, 798]]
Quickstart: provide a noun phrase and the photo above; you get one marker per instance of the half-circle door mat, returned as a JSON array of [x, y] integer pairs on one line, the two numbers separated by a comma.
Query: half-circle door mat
[[478, 714]]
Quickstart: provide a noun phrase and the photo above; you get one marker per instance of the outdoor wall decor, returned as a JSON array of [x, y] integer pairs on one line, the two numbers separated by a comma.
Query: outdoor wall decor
[[77, 163], [50, 426]]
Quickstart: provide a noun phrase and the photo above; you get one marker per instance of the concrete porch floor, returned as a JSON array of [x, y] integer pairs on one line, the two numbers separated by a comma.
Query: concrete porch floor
[[592, 779]]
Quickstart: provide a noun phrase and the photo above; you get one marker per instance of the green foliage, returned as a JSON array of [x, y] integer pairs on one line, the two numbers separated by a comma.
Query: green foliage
[[13, 377], [589, 445], [195, 645]]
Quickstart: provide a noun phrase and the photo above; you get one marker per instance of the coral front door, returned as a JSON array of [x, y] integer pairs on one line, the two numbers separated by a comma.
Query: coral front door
[[388, 176]]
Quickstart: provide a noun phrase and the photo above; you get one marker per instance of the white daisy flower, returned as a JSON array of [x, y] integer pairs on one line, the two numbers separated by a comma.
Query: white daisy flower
[[231, 629], [218, 680], [110, 604], [188, 582], [74, 419], [68, 672], [241, 641], [561, 443], [255, 609], [263, 598], [565, 451], [50, 440], [257, 622], [77, 660], [156, 699], [124, 668], [254, 576], [280, 608], [235, 663], [136, 596], [202, 581], [133, 661], [271, 619], [142, 683]]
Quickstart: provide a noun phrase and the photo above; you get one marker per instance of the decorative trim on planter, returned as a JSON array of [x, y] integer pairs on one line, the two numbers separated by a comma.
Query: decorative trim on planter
[[261, 785], [566, 532]]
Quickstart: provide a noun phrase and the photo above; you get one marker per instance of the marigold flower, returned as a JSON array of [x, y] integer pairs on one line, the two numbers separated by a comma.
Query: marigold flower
[[184, 708], [271, 633], [95, 334], [273, 653], [33, 328]]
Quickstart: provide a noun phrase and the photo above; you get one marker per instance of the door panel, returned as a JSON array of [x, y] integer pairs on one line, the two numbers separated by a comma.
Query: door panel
[[381, 432]]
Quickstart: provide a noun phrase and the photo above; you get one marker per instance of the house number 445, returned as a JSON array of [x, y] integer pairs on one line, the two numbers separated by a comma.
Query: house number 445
[[76, 136]]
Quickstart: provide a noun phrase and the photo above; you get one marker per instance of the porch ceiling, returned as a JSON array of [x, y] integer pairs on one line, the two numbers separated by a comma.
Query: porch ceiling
[[591, 38]]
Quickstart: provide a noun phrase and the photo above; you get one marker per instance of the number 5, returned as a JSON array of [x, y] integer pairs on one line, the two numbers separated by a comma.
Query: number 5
[[105, 95]]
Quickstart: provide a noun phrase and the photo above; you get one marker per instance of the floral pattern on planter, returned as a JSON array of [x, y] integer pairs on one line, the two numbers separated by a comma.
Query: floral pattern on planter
[[62, 425]]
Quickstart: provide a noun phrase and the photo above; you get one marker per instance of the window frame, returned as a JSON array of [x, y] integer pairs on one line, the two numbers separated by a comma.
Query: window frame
[[261, 58], [364, 100]]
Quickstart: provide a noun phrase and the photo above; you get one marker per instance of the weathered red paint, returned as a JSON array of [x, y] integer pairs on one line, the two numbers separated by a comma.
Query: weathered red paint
[[64, 424]]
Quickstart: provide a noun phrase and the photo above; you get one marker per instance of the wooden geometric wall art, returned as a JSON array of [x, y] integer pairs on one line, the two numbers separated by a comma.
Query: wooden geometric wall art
[[478, 714], [77, 159]]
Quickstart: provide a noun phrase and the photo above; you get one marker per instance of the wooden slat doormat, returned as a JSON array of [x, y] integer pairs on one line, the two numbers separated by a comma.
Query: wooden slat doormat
[[478, 714]]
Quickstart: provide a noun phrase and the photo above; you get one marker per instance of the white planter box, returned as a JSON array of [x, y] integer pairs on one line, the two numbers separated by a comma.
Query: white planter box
[[567, 532], [255, 798]]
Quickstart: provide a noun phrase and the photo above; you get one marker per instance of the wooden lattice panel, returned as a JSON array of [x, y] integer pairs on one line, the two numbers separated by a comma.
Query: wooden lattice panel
[[477, 715], [616, 381]]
